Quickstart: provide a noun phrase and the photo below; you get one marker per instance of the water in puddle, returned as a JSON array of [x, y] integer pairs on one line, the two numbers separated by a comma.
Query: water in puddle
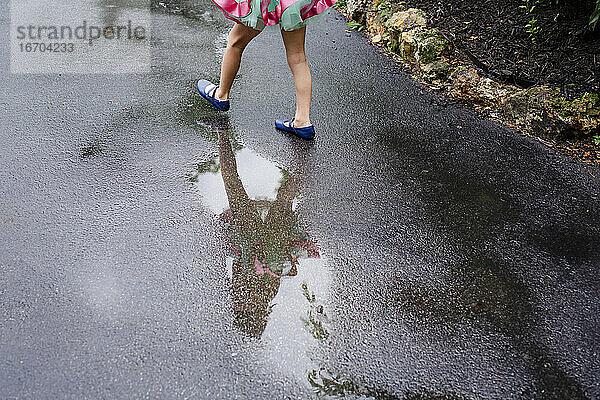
[[278, 274]]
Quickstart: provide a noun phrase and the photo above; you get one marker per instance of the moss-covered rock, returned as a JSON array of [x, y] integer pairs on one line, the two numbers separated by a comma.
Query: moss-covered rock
[[541, 109], [582, 113], [432, 45], [405, 32], [419, 45]]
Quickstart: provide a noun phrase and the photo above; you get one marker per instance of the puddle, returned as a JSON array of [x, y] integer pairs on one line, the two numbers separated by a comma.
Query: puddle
[[280, 282]]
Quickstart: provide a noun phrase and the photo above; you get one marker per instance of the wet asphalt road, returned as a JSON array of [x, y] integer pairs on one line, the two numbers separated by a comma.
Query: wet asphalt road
[[456, 259]]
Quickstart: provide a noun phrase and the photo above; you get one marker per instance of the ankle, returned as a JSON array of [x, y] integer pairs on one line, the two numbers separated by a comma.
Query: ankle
[[301, 122], [221, 95]]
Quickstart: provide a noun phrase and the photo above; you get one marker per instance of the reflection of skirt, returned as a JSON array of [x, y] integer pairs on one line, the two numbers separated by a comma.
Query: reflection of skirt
[[289, 14]]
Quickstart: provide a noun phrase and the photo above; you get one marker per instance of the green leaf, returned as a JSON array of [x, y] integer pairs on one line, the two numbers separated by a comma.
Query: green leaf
[[354, 25], [595, 15]]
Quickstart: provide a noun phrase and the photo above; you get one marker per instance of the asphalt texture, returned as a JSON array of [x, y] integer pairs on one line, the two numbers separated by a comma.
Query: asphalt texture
[[456, 258]]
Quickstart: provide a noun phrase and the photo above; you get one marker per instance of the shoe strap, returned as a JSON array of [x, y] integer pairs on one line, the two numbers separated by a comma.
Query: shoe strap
[[293, 127], [214, 92]]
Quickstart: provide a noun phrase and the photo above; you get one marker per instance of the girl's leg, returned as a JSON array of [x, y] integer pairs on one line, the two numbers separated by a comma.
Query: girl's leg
[[296, 58], [239, 37]]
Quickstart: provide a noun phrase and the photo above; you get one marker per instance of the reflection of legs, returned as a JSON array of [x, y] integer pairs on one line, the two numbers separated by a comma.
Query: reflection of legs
[[238, 198], [239, 37], [296, 58], [281, 208]]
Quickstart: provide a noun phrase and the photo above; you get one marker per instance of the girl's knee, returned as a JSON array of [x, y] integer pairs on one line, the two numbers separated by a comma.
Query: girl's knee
[[236, 41], [240, 36], [295, 58]]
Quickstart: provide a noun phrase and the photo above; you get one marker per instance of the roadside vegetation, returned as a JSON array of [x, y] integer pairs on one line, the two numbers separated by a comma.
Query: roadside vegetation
[[531, 64]]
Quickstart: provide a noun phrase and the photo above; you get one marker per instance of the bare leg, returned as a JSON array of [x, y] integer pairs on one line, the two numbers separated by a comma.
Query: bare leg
[[239, 37], [296, 58]]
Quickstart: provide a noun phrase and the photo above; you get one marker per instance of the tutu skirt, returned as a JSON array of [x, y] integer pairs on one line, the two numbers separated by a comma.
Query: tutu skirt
[[288, 14]]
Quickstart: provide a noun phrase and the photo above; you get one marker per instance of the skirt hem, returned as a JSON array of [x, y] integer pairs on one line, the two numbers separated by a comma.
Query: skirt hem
[[294, 17]]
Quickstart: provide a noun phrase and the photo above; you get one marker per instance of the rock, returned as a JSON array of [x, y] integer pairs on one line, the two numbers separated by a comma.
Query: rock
[[419, 45], [435, 71], [466, 83], [431, 46], [581, 114], [402, 28], [541, 109], [408, 45], [357, 10], [405, 33], [405, 20], [530, 109], [463, 80], [492, 92]]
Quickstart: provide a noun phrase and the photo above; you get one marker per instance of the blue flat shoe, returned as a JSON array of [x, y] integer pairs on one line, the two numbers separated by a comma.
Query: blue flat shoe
[[205, 88], [287, 125]]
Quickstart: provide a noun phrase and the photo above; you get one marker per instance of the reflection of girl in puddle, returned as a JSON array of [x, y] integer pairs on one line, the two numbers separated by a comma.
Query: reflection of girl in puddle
[[264, 240]]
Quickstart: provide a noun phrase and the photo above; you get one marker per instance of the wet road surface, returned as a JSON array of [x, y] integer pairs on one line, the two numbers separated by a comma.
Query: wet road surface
[[152, 247]]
